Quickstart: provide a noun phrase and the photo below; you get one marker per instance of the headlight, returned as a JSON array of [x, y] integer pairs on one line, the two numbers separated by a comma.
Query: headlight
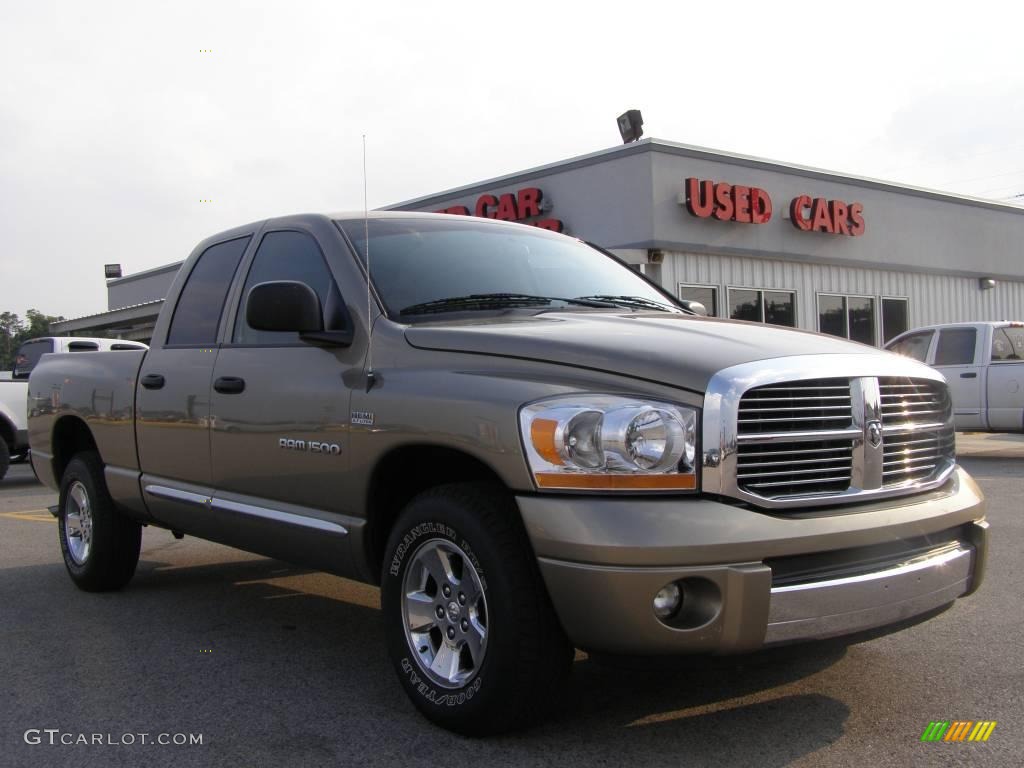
[[609, 442]]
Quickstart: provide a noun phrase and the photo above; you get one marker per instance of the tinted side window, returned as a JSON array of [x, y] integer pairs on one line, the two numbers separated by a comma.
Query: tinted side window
[[915, 346], [28, 356], [286, 256], [956, 346], [197, 314], [1008, 344]]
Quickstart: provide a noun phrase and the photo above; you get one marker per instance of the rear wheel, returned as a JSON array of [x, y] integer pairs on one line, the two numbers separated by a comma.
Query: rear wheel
[[469, 625], [99, 544], [5, 458]]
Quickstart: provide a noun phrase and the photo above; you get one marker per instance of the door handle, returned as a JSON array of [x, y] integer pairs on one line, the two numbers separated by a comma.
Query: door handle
[[972, 375], [153, 381], [229, 385]]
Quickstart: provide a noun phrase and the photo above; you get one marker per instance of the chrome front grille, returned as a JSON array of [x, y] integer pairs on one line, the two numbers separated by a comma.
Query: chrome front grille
[[780, 467], [909, 401], [795, 442], [919, 440], [785, 469], [798, 405]]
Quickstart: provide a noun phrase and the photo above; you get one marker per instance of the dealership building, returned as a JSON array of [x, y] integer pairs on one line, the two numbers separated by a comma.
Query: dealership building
[[751, 239]]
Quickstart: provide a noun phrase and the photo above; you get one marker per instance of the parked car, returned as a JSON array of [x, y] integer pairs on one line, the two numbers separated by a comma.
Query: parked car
[[984, 366], [14, 388], [535, 449]]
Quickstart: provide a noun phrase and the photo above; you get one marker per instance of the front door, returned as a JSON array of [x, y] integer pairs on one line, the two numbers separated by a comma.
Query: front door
[[955, 358], [280, 418]]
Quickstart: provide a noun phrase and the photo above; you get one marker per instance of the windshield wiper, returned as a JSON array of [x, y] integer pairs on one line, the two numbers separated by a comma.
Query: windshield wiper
[[476, 301], [631, 301]]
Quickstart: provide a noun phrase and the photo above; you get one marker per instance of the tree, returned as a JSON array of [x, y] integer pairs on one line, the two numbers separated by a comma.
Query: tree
[[38, 323], [10, 328]]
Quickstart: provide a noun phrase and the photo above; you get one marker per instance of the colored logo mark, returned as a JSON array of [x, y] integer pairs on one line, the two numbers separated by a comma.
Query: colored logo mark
[[958, 730]]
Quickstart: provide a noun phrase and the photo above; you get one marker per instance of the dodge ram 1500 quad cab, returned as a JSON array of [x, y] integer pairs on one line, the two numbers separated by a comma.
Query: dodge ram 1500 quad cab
[[528, 446]]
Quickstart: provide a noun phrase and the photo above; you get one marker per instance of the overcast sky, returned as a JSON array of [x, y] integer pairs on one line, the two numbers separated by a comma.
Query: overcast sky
[[114, 124]]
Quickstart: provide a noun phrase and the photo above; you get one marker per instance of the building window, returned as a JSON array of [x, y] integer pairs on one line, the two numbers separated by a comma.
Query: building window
[[763, 306], [850, 317], [895, 317], [705, 294], [780, 308]]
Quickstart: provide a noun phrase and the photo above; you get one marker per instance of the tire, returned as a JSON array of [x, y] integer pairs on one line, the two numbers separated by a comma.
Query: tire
[[99, 544], [510, 654], [5, 458]]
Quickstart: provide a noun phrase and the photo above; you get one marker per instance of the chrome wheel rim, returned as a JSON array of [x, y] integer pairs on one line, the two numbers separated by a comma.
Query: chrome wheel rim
[[444, 613], [78, 523]]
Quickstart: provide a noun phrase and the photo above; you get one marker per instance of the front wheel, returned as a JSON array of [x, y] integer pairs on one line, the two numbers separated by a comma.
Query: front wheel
[[100, 545], [469, 625]]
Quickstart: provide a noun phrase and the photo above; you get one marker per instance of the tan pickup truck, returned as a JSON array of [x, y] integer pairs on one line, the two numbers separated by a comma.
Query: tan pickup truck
[[535, 449]]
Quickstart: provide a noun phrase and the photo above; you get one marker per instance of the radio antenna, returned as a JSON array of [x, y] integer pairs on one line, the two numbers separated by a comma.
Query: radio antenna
[[369, 302]]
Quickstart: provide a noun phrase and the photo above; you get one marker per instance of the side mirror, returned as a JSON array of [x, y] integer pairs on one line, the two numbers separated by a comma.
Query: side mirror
[[694, 306], [291, 306], [285, 305]]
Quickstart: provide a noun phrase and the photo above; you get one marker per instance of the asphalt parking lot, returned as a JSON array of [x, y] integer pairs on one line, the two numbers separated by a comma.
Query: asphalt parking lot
[[275, 666]]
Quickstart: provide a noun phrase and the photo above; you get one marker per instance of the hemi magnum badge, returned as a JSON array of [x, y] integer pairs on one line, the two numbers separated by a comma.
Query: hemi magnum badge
[[362, 418]]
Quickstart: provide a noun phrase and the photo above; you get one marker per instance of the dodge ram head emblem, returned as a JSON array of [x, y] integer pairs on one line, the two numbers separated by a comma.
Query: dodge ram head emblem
[[874, 433]]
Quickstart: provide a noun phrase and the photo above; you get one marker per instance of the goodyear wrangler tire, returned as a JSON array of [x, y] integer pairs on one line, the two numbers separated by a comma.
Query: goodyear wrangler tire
[[469, 625], [100, 545]]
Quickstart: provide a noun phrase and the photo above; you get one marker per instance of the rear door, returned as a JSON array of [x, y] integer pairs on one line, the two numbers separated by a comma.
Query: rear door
[[1006, 379], [173, 397], [955, 356]]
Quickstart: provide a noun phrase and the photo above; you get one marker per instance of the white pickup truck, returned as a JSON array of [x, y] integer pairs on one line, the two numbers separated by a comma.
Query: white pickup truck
[[984, 365], [14, 391]]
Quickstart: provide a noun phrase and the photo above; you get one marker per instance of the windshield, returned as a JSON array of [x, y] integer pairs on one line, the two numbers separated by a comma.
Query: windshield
[[414, 262]]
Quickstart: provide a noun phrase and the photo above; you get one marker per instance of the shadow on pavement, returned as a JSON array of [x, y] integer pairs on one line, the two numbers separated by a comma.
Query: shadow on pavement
[[282, 666]]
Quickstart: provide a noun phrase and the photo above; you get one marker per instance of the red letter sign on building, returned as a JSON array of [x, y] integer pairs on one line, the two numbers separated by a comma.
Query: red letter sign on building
[[746, 205], [832, 216], [518, 206]]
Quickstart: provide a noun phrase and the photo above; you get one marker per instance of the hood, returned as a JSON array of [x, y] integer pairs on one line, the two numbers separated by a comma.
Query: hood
[[678, 350]]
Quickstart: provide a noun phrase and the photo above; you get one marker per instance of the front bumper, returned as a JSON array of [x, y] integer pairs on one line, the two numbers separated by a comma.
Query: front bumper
[[751, 579]]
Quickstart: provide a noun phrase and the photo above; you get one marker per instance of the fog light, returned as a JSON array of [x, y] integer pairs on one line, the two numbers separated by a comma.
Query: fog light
[[667, 601]]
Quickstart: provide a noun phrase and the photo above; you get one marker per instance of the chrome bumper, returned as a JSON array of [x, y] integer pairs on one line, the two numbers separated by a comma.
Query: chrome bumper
[[841, 606], [604, 560]]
